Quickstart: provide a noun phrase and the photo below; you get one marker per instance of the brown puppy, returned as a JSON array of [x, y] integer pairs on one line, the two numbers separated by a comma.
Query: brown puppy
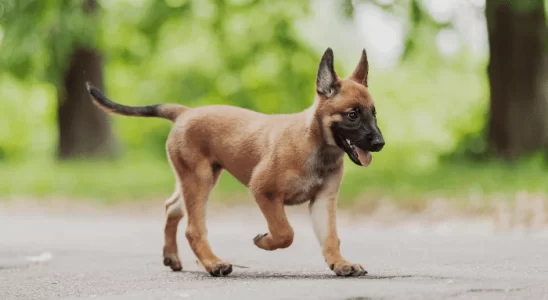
[[282, 159]]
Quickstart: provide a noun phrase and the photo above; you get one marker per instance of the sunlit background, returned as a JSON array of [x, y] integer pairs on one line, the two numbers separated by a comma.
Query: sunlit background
[[428, 77]]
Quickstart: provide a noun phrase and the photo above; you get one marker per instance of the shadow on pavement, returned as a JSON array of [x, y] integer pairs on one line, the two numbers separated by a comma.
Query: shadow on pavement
[[250, 275]]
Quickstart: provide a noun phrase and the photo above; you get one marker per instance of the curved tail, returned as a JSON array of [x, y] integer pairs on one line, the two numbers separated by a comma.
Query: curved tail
[[166, 111]]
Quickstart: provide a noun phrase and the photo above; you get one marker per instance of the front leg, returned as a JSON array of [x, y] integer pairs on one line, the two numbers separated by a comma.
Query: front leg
[[280, 233], [270, 201], [323, 210]]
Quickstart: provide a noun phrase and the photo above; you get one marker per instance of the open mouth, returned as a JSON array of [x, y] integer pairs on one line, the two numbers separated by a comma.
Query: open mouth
[[357, 155]]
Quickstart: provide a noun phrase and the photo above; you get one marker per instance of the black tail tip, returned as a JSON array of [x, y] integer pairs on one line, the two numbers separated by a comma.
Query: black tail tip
[[93, 91]]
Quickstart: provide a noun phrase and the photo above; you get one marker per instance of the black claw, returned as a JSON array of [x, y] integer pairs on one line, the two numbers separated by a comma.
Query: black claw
[[227, 271], [176, 268], [216, 272], [259, 237], [167, 261], [332, 266], [220, 272]]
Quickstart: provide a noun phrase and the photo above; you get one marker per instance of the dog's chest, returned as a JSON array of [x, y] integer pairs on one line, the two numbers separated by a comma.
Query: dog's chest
[[313, 176], [302, 189]]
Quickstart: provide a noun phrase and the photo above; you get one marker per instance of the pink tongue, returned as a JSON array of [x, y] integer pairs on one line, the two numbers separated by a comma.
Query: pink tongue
[[365, 157]]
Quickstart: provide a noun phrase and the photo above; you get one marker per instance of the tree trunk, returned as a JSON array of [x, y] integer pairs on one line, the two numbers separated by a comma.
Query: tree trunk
[[84, 130], [518, 78]]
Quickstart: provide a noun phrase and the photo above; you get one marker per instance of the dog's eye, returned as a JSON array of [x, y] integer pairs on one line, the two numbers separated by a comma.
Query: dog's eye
[[352, 115]]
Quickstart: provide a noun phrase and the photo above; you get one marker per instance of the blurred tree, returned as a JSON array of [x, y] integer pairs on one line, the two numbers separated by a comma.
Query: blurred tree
[[84, 130], [518, 77], [517, 71], [54, 41]]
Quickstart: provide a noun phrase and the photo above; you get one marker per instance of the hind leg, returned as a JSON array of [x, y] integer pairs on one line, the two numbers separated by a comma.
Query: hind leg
[[198, 177], [174, 214]]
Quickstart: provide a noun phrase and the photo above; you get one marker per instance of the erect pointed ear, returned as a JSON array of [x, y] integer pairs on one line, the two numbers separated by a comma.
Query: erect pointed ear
[[327, 80], [362, 70]]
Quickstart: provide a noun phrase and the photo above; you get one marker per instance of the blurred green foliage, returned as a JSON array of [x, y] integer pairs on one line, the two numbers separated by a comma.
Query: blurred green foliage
[[194, 52], [38, 36], [239, 52]]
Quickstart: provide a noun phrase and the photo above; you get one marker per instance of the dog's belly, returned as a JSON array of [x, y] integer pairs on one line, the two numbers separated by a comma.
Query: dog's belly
[[302, 190]]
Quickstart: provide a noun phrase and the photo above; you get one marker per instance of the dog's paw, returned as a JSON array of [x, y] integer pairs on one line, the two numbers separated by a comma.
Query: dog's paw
[[219, 269], [345, 268], [172, 261]]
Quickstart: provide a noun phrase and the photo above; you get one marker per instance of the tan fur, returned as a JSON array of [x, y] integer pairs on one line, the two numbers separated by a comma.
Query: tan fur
[[282, 159]]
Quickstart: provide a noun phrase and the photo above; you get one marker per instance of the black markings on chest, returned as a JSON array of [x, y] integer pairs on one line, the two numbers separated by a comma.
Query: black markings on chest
[[325, 161], [318, 167]]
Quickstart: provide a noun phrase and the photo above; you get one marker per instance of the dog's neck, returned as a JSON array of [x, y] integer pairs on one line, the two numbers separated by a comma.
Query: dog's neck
[[325, 157], [319, 134], [310, 113]]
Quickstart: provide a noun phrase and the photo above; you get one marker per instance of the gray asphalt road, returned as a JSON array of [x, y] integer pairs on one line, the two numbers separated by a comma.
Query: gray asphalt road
[[108, 256]]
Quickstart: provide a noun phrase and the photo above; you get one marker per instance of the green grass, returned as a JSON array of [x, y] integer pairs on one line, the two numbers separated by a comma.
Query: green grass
[[145, 179]]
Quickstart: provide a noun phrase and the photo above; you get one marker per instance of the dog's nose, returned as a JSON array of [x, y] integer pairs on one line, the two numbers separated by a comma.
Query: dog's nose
[[377, 143]]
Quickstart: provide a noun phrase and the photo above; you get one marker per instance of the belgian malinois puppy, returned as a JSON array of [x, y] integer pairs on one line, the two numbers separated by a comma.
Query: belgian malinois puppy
[[283, 159]]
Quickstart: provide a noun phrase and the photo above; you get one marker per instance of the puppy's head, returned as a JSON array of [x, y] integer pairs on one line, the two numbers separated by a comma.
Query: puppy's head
[[346, 110]]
